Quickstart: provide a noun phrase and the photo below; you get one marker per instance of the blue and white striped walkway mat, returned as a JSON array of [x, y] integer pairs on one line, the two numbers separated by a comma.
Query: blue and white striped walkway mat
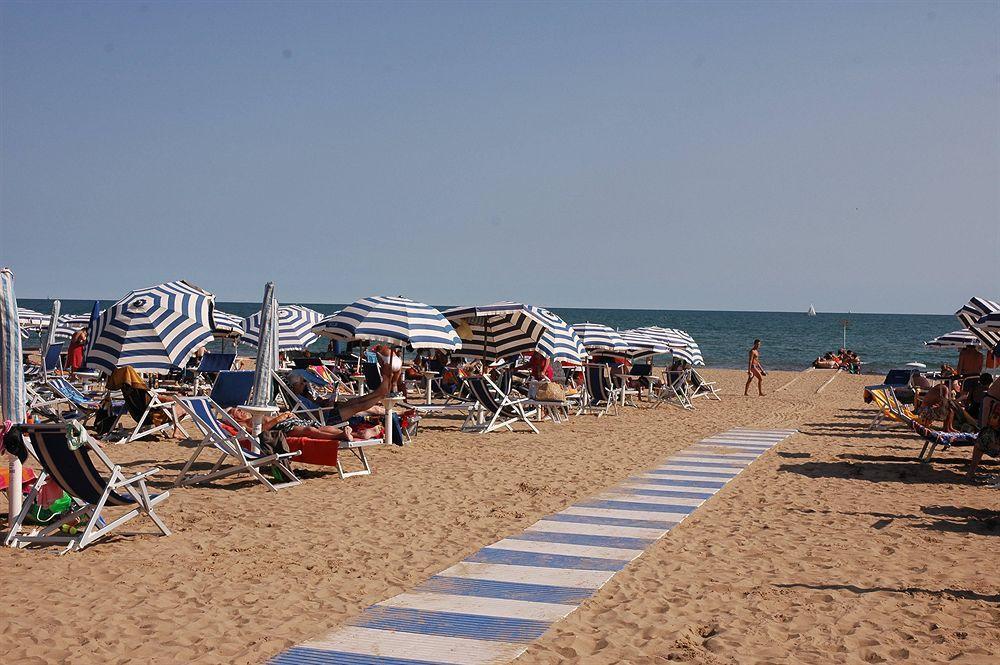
[[491, 606]]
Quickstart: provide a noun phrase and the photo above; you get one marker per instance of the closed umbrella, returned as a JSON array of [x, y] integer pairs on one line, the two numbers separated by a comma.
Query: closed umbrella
[[395, 320], [13, 395], [152, 329], [295, 324], [267, 349]]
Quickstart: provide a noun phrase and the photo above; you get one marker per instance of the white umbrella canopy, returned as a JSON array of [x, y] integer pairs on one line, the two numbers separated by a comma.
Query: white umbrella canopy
[[559, 342], [642, 346], [681, 344], [392, 320], [226, 325], [599, 337], [29, 319]]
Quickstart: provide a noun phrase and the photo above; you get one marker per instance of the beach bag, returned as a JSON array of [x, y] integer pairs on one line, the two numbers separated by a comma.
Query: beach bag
[[50, 503], [550, 391]]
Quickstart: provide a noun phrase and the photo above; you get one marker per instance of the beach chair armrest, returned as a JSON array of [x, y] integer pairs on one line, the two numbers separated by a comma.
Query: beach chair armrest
[[136, 478]]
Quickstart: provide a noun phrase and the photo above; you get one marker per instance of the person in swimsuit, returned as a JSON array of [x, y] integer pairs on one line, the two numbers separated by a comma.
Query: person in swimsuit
[[754, 370], [337, 412]]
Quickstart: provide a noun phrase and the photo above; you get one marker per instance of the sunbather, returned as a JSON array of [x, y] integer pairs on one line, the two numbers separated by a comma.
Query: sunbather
[[293, 426], [366, 405]]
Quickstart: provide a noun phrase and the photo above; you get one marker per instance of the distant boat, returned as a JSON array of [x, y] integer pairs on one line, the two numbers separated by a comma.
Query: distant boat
[[812, 310]]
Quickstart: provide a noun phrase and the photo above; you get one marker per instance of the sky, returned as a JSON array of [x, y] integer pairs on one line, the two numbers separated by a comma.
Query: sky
[[748, 156]]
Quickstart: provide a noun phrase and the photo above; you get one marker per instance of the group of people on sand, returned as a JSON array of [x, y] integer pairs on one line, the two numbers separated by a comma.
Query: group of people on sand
[[843, 359]]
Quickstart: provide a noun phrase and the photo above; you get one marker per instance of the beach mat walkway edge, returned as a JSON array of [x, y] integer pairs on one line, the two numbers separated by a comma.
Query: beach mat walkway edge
[[491, 606]]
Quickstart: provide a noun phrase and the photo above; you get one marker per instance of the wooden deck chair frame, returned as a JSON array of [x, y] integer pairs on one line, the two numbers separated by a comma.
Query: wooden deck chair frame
[[675, 391], [96, 523], [201, 409], [503, 412], [599, 406]]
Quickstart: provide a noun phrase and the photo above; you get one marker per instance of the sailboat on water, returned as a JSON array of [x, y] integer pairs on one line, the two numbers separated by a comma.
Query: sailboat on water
[[812, 310]]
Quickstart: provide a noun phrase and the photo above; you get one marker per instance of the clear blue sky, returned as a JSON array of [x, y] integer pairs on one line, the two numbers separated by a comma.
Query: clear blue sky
[[708, 156]]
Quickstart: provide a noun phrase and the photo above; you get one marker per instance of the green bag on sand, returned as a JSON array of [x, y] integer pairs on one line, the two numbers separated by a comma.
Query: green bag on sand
[[43, 515]]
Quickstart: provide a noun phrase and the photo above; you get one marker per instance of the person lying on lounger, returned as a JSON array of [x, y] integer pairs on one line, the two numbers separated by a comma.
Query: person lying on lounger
[[341, 411], [293, 426]]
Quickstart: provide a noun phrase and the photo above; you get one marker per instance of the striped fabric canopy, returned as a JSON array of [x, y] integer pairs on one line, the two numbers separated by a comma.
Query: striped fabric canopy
[[225, 324], [70, 323], [498, 330], [989, 321], [681, 344], [152, 329], [559, 342], [29, 319], [956, 339], [973, 312], [295, 324], [641, 345], [393, 320], [599, 337]]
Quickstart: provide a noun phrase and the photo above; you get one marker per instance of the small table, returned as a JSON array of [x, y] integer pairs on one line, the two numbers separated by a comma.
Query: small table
[[359, 382], [259, 413]]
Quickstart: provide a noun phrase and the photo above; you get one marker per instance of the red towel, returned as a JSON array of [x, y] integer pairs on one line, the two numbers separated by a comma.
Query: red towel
[[314, 451]]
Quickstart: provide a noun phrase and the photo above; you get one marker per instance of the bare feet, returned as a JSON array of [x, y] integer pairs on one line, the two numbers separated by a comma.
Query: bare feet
[[348, 433]]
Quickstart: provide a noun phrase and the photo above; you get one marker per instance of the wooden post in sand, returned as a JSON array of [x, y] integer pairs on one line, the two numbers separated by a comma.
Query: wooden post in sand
[[796, 378], [828, 381]]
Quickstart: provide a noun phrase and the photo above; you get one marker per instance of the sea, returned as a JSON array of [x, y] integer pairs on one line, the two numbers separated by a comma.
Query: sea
[[790, 340]]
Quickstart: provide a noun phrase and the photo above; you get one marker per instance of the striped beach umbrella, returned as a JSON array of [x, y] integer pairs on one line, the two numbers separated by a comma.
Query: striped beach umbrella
[[13, 394], [295, 324], [69, 324], [29, 319], [267, 349], [973, 312], [599, 337], [956, 339], [152, 329], [642, 346], [681, 344], [497, 330], [225, 324], [393, 320], [559, 342]]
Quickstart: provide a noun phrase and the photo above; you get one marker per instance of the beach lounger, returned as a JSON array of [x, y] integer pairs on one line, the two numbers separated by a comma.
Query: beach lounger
[[93, 493], [601, 395], [890, 408], [702, 388], [494, 408], [209, 417], [675, 389], [232, 388], [211, 364], [81, 407]]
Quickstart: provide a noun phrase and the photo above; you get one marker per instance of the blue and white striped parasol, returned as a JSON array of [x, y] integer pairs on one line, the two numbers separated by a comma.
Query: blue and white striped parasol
[[29, 319], [977, 316], [295, 324], [69, 324], [152, 329], [226, 325], [498, 330], [642, 346], [393, 320], [13, 394], [681, 344], [559, 343], [956, 339], [599, 337]]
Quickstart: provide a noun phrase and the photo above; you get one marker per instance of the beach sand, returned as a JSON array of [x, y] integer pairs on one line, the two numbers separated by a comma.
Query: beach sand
[[836, 546]]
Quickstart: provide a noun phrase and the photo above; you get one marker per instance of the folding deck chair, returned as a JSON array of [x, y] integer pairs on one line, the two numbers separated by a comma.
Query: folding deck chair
[[675, 390], [232, 388], [496, 404], [81, 406], [209, 417], [890, 408], [211, 364], [702, 388], [93, 494], [601, 394]]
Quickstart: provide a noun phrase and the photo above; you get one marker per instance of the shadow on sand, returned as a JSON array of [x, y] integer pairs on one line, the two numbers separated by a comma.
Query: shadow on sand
[[957, 594]]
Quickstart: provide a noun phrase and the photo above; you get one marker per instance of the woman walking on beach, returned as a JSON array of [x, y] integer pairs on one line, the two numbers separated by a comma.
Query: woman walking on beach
[[754, 370]]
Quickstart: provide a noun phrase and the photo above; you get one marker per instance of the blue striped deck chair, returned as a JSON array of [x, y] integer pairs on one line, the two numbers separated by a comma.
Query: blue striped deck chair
[[675, 389], [232, 388], [301, 405], [81, 407], [53, 357], [702, 388], [92, 491], [601, 395], [494, 408], [233, 458]]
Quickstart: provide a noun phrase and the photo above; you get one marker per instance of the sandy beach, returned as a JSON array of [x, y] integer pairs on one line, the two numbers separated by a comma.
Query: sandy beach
[[836, 546]]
